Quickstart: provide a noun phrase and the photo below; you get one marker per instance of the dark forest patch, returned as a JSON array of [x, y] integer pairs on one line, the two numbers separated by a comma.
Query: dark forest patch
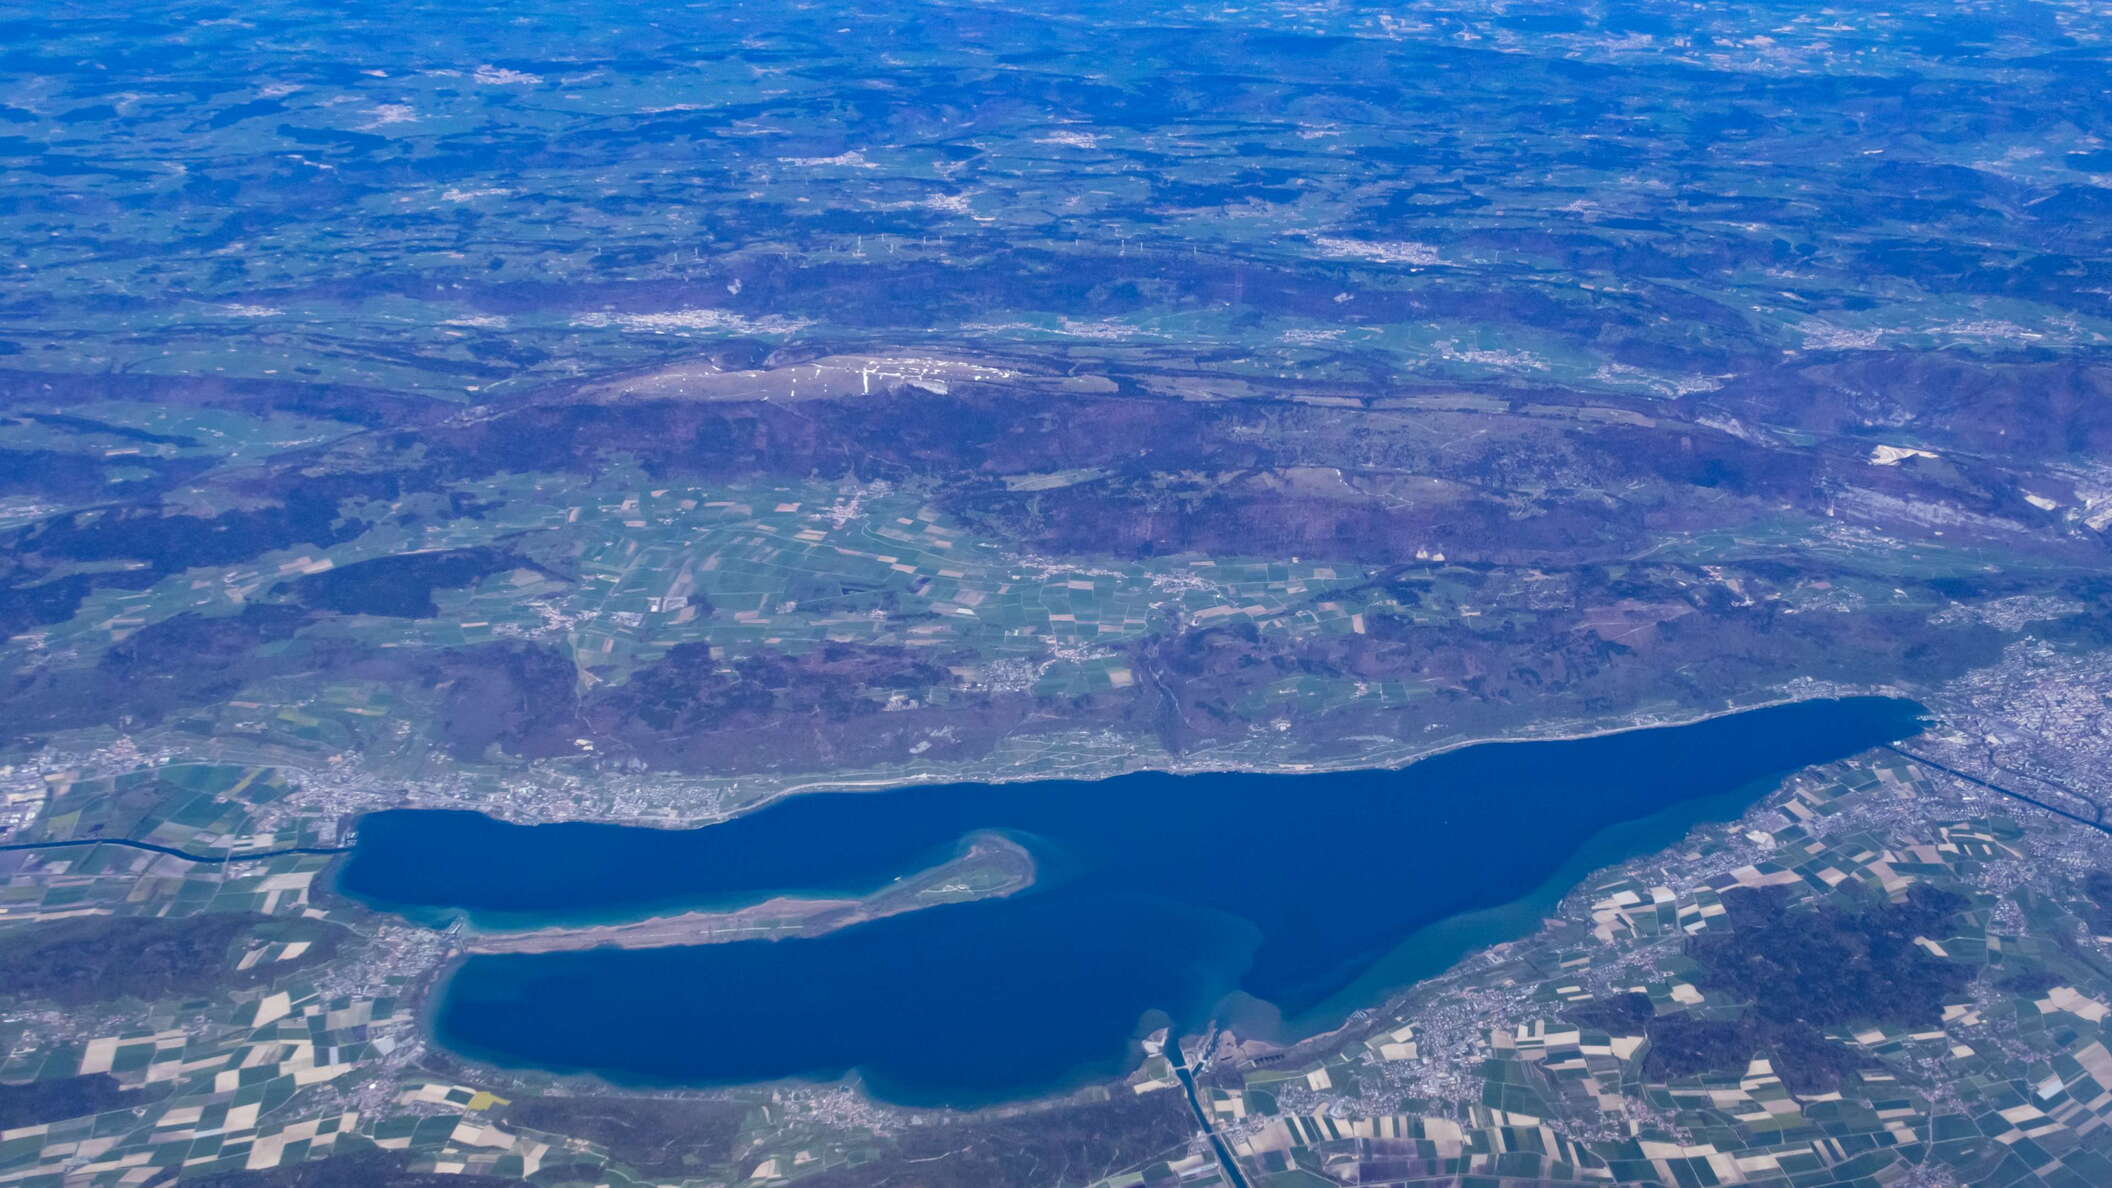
[[68, 1097], [74, 424], [1616, 1014], [520, 696], [38, 602], [166, 650], [2097, 889], [63, 475], [1801, 971], [400, 586], [168, 543], [154, 541], [181, 661], [99, 959]]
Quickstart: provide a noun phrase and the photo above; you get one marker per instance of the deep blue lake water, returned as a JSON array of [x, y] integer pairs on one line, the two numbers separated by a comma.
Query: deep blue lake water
[[1301, 894]]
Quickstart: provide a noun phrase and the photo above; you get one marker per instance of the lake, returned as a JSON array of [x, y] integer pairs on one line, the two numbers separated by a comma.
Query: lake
[[1156, 895]]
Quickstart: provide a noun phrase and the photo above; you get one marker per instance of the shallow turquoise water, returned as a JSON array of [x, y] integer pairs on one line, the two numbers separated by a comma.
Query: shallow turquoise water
[[1306, 895]]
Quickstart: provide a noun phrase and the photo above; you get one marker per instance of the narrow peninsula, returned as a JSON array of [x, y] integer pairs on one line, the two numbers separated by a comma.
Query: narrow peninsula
[[990, 867]]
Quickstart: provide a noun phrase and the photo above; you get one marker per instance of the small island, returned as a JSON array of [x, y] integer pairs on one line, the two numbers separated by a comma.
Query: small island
[[990, 867]]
